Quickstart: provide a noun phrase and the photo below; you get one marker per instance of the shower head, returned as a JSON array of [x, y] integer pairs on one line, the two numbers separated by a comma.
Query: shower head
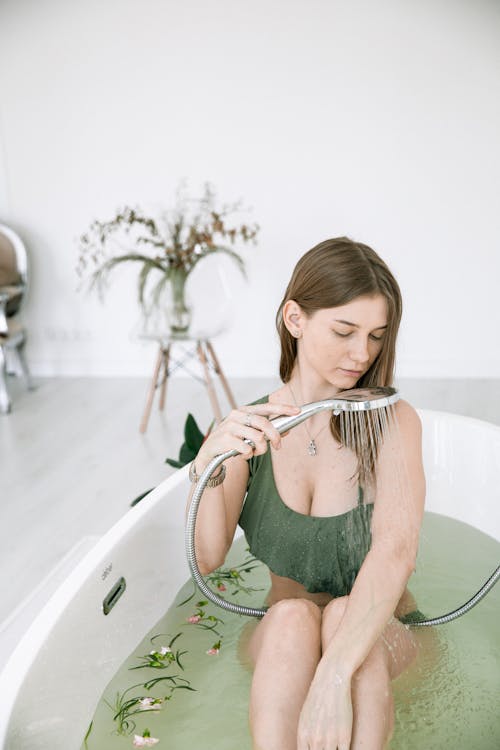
[[365, 399], [353, 400]]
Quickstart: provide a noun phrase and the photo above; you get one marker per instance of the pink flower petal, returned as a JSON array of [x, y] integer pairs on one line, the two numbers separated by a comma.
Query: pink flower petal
[[144, 741]]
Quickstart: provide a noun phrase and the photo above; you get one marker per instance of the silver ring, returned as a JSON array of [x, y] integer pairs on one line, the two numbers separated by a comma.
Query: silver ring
[[248, 420], [250, 443]]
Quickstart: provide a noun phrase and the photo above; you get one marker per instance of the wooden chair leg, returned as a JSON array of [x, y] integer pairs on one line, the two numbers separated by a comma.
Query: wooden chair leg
[[163, 390], [208, 380], [149, 401], [218, 370]]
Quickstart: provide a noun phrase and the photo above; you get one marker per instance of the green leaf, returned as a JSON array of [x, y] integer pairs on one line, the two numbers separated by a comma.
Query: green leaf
[[174, 639], [143, 277], [186, 454], [189, 597], [140, 497], [193, 439], [192, 434], [88, 733], [157, 291], [173, 462]]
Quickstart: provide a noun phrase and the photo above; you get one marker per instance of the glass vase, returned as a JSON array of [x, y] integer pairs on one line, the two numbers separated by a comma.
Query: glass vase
[[178, 310]]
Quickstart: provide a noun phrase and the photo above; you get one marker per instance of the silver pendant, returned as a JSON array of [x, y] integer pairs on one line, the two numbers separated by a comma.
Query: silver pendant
[[312, 448]]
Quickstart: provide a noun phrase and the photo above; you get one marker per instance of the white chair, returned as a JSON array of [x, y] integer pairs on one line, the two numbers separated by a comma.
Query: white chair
[[216, 286], [13, 283], [190, 344]]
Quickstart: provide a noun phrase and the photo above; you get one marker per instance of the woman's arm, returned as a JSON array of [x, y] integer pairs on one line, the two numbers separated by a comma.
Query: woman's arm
[[220, 507], [397, 516], [218, 511], [396, 522]]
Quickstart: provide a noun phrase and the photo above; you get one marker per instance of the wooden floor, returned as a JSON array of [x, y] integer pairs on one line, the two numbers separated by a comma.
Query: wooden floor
[[72, 459]]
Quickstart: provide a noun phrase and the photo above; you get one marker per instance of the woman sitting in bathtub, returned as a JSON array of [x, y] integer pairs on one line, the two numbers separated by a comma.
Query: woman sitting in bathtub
[[333, 637]]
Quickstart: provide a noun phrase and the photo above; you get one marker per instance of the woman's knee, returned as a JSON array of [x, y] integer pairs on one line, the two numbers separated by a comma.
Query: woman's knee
[[287, 625], [291, 614]]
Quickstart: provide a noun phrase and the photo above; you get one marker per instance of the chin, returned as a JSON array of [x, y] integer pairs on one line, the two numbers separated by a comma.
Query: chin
[[342, 382], [346, 382]]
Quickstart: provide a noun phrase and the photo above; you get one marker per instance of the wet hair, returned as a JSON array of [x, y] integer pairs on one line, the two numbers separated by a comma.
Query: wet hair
[[334, 273]]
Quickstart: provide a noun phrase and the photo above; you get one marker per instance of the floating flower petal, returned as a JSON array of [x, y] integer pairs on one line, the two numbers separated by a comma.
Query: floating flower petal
[[144, 741], [150, 704]]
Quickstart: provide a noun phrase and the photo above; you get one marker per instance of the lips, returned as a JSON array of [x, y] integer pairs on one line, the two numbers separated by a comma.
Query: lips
[[352, 372]]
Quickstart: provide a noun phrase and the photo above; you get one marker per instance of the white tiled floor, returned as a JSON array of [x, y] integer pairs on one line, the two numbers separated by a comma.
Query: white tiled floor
[[72, 459]]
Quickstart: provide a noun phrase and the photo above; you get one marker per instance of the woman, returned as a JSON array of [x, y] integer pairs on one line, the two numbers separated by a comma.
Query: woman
[[331, 642]]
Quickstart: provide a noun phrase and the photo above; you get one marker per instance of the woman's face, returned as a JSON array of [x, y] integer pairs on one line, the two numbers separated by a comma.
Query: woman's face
[[341, 343]]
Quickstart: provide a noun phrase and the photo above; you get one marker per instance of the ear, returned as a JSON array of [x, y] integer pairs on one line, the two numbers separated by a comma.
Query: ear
[[293, 318]]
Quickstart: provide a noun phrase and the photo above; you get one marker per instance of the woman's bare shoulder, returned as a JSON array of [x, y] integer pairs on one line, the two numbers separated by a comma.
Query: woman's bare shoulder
[[403, 440], [407, 417]]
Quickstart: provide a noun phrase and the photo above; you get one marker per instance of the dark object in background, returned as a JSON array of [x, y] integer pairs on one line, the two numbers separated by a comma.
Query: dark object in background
[[193, 440]]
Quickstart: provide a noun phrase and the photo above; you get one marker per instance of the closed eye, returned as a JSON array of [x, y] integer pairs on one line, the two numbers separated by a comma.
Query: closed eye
[[345, 335]]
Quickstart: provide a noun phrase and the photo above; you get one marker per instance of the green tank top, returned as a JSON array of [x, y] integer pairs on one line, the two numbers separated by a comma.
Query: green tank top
[[324, 554]]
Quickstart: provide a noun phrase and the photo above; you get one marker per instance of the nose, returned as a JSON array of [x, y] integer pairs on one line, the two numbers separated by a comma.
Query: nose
[[359, 350]]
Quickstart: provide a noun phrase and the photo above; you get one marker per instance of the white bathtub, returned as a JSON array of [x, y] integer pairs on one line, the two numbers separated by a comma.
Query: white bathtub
[[51, 685]]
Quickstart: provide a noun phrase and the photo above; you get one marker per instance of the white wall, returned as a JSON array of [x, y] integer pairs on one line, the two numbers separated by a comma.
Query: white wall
[[375, 119]]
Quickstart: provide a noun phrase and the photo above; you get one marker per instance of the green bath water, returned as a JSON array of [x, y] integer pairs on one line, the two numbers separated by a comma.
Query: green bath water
[[449, 698]]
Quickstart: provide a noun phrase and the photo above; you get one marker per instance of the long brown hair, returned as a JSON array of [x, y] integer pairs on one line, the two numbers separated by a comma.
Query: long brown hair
[[332, 274]]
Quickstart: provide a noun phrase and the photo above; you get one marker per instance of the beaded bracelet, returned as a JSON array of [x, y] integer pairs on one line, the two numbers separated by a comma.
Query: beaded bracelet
[[213, 481]]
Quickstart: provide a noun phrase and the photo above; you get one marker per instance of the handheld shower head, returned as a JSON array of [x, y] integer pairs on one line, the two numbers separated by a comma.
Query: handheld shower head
[[353, 400], [365, 399]]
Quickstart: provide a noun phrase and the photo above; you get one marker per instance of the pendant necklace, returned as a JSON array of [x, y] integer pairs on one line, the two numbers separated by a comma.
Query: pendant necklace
[[312, 448]]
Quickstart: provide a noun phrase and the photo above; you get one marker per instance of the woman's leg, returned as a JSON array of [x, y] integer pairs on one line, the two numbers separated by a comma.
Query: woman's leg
[[285, 649], [373, 704]]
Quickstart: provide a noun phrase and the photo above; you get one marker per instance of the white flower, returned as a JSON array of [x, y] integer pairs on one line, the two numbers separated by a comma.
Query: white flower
[[144, 741], [150, 704], [162, 652]]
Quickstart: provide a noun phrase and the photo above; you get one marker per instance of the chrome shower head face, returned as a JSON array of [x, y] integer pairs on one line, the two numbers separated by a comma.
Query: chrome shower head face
[[347, 402], [366, 399]]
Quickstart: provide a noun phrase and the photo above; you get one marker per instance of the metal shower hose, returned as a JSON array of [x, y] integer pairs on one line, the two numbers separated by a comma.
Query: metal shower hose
[[255, 612]]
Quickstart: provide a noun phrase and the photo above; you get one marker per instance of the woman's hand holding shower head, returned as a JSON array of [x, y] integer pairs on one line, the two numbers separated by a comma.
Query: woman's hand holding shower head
[[247, 429]]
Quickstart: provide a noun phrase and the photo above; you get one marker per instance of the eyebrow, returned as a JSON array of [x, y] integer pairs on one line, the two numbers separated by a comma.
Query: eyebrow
[[355, 325]]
